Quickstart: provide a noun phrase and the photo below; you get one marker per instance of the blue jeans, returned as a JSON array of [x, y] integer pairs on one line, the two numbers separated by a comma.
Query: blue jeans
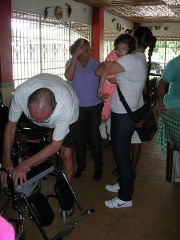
[[122, 129], [88, 132]]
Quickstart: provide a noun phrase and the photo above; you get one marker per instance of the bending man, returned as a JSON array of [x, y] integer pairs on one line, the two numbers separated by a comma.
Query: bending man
[[47, 101]]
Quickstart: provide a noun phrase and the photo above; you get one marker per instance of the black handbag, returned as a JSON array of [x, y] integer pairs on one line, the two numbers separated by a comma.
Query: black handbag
[[143, 118]]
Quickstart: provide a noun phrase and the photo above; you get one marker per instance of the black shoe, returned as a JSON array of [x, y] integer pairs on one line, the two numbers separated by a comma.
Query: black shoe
[[79, 172], [97, 174], [115, 172]]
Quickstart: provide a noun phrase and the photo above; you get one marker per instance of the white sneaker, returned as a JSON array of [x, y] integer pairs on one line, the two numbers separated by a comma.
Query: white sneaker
[[118, 203], [113, 188]]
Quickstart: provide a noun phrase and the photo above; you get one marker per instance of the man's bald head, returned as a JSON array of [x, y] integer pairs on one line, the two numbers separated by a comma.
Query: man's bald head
[[41, 104]]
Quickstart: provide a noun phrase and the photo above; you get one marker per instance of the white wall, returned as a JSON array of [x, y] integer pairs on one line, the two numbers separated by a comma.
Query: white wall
[[173, 29], [125, 24], [83, 13], [80, 12]]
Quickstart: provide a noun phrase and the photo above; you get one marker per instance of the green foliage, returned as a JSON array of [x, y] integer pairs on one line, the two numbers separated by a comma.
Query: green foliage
[[165, 51]]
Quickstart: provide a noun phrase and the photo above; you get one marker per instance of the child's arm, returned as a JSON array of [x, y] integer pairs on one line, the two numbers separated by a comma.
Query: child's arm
[[111, 80], [103, 71]]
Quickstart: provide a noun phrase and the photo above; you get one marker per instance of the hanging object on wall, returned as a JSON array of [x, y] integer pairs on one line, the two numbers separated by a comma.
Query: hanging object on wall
[[157, 27], [58, 12], [69, 10], [166, 28], [128, 31], [118, 27], [46, 11]]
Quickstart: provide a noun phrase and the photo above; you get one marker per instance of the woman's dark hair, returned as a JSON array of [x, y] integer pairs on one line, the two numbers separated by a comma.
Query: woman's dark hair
[[146, 39], [76, 44], [127, 39], [150, 52], [144, 36]]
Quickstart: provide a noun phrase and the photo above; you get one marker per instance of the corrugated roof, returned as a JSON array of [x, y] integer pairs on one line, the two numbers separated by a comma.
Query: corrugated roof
[[139, 10]]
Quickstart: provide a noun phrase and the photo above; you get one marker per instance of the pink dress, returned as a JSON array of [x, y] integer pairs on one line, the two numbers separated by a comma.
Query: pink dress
[[108, 88]]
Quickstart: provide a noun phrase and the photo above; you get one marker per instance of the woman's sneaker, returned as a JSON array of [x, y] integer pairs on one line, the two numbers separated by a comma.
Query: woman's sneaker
[[118, 203], [113, 188]]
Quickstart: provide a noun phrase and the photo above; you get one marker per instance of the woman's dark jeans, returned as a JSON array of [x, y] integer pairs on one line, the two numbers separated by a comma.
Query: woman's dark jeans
[[88, 132], [122, 129]]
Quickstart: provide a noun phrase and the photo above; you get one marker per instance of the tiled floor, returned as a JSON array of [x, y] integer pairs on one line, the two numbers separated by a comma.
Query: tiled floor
[[155, 214]]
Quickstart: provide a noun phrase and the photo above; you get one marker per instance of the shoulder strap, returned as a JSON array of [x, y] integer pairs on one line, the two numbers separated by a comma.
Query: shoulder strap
[[125, 104]]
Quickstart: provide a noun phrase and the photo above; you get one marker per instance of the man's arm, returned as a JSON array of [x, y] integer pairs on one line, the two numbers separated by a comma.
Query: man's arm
[[20, 171], [8, 142], [9, 134], [160, 94]]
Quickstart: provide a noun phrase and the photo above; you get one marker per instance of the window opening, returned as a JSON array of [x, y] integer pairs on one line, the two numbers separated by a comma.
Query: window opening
[[42, 45], [164, 51]]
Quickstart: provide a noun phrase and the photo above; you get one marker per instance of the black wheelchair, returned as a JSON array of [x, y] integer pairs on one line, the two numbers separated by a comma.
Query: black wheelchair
[[36, 207]]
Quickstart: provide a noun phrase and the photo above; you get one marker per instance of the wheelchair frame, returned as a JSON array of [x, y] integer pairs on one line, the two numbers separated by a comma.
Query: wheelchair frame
[[27, 207]]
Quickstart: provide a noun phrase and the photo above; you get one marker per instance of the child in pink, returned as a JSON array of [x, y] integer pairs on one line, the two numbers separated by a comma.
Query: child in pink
[[122, 46], [109, 88]]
